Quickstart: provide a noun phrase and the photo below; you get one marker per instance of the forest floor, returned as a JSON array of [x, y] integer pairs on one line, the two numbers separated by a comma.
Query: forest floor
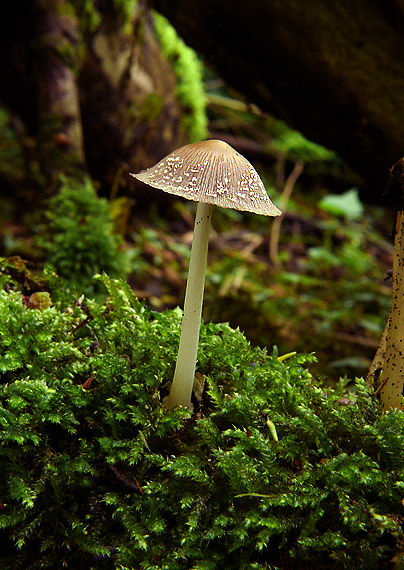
[[315, 280], [326, 289]]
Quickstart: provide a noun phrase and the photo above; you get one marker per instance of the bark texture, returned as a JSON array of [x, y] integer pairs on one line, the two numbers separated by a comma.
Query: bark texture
[[93, 96], [333, 70], [131, 115]]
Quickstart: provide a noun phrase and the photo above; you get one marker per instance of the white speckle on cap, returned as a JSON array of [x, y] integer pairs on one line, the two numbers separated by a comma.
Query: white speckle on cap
[[212, 172]]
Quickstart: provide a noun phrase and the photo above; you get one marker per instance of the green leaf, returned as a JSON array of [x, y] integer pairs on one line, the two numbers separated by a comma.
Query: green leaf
[[346, 205]]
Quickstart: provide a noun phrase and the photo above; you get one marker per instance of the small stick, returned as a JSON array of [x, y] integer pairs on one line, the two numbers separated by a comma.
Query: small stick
[[276, 226]]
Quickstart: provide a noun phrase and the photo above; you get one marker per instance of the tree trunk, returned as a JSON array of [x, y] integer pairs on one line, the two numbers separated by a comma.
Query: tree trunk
[[89, 91]]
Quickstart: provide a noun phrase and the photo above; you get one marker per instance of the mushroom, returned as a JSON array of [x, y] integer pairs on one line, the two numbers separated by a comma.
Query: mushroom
[[211, 173]]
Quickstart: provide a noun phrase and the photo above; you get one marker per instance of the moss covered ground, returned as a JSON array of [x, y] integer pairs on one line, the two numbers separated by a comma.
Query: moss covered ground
[[287, 460], [271, 470]]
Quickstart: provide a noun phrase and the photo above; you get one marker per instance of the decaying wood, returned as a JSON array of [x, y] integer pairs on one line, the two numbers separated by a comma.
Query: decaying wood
[[332, 70]]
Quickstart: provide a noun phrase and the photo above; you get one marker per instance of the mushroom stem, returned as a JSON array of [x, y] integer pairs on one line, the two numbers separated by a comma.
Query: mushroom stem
[[181, 388], [391, 393]]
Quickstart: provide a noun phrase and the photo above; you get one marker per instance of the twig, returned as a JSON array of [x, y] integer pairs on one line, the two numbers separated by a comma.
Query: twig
[[276, 225], [355, 339]]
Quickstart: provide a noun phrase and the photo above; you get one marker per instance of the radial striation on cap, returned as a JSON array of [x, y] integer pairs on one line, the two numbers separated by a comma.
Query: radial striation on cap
[[211, 172]]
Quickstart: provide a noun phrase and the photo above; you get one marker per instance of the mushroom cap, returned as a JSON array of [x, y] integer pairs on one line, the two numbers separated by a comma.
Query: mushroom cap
[[211, 172]]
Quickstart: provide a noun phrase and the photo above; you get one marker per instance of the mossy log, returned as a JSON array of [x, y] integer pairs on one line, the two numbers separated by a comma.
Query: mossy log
[[333, 71]]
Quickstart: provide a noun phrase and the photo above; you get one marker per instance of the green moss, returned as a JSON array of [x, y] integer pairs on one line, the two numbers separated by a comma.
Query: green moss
[[151, 107], [66, 46], [188, 70], [293, 144], [88, 16], [77, 237], [273, 470], [127, 10]]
